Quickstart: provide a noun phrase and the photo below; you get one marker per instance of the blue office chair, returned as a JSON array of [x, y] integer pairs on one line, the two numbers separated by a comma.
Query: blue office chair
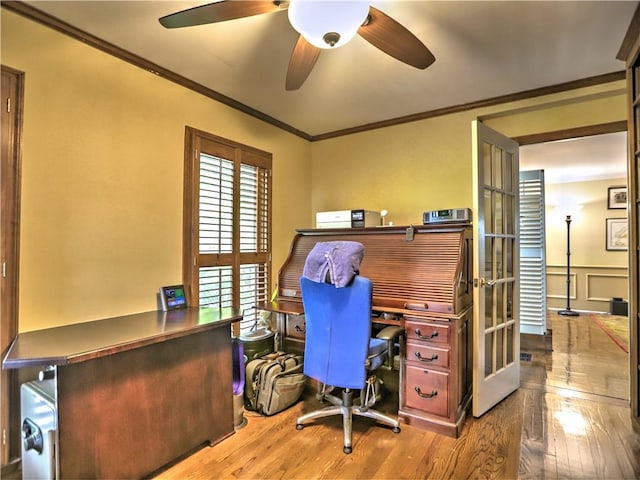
[[339, 351]]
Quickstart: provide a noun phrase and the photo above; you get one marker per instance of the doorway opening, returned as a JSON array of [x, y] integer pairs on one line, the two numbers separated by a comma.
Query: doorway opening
[[580, 173]]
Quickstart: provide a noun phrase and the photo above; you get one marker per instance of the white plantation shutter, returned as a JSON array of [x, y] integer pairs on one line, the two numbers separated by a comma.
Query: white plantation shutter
[[215, 286], [227, 222], [248, 209], [253, 290], [216, 205], [533, 290], [254, 241]]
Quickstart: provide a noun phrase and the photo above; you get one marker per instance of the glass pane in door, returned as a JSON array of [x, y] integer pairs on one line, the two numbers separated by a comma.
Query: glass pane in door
[[497, 167], [498, 212], [488, 355], [499, 363], [488, 307]]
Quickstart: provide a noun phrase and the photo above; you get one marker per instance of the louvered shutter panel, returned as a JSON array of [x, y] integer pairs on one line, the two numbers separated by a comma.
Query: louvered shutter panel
[[533, 290], [216, 230], [253, 242], [216, 286], [216, 205]]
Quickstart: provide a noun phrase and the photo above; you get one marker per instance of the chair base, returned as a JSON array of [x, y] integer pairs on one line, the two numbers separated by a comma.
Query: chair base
[[345, 408]]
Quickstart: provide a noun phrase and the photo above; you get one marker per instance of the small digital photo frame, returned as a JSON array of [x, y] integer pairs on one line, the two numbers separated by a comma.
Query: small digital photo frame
[[173, 297]]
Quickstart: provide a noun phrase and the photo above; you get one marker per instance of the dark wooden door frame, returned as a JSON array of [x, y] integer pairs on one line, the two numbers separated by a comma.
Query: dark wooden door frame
[[10, 175]]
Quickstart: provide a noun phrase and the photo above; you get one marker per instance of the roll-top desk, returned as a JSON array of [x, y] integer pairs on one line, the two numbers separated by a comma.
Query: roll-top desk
[[421, 281]]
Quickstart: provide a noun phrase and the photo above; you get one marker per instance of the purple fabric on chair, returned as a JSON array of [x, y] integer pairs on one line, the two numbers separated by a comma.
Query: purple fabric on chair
[[334, 262]]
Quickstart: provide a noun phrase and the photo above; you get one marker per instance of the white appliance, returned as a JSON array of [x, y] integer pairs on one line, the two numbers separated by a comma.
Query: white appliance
[[347, 219], [39, 417]]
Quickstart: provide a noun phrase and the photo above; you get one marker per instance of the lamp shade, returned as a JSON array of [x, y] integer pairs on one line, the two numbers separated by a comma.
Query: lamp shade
[[327, 24]]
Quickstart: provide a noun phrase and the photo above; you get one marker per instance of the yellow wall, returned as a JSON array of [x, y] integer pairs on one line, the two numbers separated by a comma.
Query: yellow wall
[[588, 223], [102, 171], [102, 177], [405, 169], [426, 165], [597, 275]]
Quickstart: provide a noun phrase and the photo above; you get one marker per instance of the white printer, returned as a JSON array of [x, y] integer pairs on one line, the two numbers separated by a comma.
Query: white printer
[[347, 219]]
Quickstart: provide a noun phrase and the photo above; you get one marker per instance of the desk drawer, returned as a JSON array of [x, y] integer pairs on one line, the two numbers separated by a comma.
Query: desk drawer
[[427, 355], [427, 390], [296, 326], [425, 331]]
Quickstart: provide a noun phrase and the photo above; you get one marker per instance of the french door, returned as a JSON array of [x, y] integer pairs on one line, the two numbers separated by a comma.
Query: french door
[[496, 329]]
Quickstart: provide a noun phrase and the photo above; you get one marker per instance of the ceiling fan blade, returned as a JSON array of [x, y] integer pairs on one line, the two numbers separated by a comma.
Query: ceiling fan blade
[[220, 12], [385, 33], [302, 61]]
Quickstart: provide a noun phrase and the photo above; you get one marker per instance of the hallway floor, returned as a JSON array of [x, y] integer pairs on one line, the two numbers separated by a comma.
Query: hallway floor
[[576, 418]]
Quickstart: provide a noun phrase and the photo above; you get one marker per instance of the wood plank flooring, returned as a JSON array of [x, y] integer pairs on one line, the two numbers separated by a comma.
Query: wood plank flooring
[[271, 448], [583, 359], [569, 420], [576, 419]]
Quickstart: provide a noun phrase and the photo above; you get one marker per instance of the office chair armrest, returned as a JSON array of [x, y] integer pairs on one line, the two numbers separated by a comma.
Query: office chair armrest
[[391, 335]]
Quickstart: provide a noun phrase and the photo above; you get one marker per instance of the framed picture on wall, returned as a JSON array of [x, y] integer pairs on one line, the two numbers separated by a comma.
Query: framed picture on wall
[[617, 234], [617, 198]]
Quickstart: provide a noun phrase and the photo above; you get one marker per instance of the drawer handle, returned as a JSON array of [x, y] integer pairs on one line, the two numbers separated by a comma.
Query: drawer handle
[[416, 306], [298, 329], [425, 337], [426, 395], [425, 359]]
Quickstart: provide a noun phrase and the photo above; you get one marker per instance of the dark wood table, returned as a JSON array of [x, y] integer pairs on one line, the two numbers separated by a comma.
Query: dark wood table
[[136, 392]]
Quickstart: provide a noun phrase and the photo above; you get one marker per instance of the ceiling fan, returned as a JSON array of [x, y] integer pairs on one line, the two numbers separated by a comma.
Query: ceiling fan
[[322, 24]]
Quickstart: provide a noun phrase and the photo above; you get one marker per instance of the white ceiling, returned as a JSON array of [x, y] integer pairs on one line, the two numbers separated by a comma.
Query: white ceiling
[[578, 159], [482, 49]]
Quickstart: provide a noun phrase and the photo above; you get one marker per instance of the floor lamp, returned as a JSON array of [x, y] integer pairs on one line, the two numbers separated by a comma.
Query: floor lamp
[[567, 311]]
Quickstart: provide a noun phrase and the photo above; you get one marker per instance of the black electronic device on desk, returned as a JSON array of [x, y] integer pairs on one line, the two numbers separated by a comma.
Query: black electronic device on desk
[[173, 297]]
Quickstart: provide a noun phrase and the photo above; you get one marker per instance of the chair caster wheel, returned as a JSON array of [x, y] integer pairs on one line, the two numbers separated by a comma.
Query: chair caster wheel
[[299, 426], [396, 429], [347, 449]]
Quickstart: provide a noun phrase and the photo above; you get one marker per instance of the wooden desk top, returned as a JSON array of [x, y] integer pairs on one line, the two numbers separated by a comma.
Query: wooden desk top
[[85, 341], [283, 306], [383, 315]]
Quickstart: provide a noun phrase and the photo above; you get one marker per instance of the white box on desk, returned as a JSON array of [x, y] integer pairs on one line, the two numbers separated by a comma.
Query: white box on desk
[[347, 219]]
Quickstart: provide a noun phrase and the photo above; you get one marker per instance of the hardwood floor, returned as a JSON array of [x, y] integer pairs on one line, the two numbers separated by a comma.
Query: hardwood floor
[[576, 419], [583, 359], [271, 448], [569, 420]]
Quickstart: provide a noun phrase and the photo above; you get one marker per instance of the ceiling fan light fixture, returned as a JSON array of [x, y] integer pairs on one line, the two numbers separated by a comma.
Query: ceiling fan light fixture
[[327, 24]]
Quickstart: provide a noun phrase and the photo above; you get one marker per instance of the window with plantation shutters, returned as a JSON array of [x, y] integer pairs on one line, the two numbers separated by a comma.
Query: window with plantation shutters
[[227, 225]]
